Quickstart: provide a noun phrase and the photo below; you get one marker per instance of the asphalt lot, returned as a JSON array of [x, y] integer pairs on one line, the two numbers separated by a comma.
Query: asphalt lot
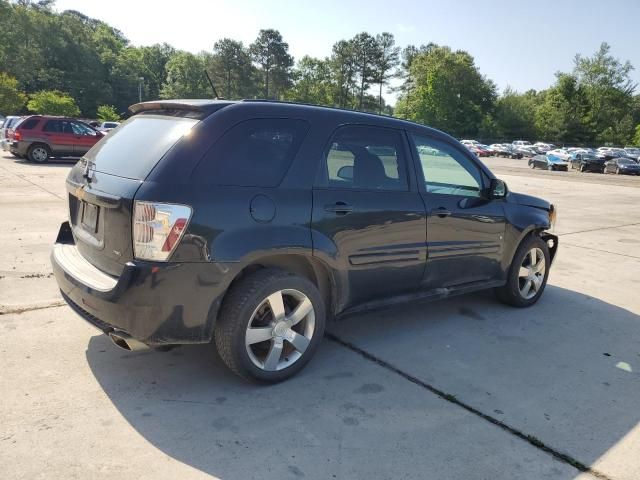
[[461, 388]]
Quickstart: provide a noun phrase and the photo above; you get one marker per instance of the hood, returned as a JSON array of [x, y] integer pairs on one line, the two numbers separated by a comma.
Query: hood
[[528, 200]]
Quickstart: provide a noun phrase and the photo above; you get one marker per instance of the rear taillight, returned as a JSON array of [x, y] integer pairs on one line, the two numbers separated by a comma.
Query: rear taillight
[[17, 136], [157, 229]]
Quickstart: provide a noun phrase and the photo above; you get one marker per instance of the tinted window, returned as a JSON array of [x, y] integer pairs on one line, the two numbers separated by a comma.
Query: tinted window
[[447, 170], [255, 153], [54, 126], [134, 149], [367, 158], [28, 124]]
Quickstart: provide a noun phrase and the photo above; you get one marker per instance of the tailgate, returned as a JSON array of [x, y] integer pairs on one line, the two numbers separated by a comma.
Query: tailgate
[[100, 217]]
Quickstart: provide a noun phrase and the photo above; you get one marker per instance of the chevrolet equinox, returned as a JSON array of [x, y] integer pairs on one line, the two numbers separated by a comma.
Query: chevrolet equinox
[[248, 224]]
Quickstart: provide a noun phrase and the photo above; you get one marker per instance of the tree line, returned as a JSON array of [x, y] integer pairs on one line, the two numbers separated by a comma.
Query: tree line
[[68, 63]]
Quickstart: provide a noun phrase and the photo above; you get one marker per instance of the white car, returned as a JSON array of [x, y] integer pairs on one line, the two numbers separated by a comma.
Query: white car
[[521, 143], [107, 126], [472, 143], [560, 153]]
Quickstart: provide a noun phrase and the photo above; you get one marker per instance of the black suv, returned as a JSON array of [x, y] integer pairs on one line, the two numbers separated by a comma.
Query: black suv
[[251, 223]]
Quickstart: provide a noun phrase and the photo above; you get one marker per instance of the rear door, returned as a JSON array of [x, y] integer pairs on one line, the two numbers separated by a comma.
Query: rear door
[[465, 232], [367, 223], [59, 136]]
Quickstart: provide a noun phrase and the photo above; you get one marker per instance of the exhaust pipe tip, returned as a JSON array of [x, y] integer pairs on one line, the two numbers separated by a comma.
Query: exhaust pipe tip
[[127, 342]]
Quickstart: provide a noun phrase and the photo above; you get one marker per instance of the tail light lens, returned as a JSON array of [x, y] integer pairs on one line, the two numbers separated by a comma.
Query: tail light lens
[[158, 228], [17, 136]]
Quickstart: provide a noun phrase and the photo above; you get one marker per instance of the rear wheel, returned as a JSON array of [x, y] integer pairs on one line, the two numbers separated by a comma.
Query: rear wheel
[[582, 167], [528, 273], [617, 170], [550, 168], [38, 153], [531, 165], [270, 325]]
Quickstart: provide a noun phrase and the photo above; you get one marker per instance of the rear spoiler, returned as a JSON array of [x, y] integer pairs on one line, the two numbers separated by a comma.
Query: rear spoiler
[[189, 108]]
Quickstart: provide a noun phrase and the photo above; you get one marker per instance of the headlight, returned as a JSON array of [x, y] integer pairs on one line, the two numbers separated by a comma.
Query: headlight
[[157, 229], [553, 215]]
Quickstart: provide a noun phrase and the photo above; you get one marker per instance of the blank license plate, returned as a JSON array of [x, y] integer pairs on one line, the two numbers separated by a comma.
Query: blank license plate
[[90, 216]]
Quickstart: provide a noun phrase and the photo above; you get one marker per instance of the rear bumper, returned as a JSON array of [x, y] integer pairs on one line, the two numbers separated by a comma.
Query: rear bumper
[[155, 303], [19, 147]]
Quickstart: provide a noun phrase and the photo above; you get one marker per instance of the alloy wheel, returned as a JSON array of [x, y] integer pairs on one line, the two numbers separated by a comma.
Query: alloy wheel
[[280, 330], [39, 154], [531, 273]]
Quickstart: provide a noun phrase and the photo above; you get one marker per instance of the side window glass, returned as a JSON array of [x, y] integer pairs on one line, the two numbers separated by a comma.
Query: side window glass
[[255, 153], [446, 170], [53, 126], [80, 129], [368, 158]]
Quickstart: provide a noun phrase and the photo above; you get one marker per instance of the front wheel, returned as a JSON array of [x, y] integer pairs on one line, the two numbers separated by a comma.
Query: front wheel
[[527, 275], [550, 168], [270, 325], [531, 165]]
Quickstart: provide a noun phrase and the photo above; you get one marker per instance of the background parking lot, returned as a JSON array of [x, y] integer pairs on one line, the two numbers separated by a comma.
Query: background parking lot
[[461, 388]]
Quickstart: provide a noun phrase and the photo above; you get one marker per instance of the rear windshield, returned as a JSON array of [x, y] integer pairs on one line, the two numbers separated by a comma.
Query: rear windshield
[[133, 150]]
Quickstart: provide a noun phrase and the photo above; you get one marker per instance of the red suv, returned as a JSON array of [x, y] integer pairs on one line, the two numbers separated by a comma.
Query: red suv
[[38, 138]]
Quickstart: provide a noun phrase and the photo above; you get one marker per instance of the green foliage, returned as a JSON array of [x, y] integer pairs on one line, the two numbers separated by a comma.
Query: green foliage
[[53, 102], [186, 77], [108, 113], [447, 91], [42, 50], [636, 137], [271, 53], [231, 70], [11, 98]]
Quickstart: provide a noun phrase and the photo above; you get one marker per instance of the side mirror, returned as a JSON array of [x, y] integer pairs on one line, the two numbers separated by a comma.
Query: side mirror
[[497, 189], [346, 173]]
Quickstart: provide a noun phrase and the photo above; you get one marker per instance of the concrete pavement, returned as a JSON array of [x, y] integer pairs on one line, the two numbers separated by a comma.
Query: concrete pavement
[[562, 377]]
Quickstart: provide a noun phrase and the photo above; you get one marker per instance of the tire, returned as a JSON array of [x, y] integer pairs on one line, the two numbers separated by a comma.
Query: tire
[[38, 153], [550, 168], [617, 170], [248, 304], [531, 165], [515, 292], [582, 168]]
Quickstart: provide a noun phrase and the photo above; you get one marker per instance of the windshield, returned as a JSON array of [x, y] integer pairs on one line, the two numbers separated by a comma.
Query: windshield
[[554, 159], [626, 161], [133, 150]]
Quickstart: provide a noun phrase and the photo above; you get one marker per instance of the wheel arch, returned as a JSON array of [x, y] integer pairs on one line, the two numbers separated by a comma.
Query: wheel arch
[[303, 265]]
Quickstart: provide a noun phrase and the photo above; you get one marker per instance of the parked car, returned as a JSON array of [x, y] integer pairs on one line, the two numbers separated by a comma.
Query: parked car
[[561, 153], [521, 143], [105, 127], [7, 131], [543, 147], [233, 222], [622, 166], [524, 150], [39, 138], [586, 162], [632, 152], [548, 162], [505, 150], [469, 142]]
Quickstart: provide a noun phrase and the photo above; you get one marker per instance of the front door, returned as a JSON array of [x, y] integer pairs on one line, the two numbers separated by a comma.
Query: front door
[[85, 138], [368, 225], [465, 230]]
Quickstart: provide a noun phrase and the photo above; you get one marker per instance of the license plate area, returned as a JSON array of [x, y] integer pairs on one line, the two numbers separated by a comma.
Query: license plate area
[[89, 217]]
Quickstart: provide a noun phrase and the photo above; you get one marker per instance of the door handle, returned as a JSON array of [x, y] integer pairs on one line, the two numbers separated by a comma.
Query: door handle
[[442, 212], [339, 208]]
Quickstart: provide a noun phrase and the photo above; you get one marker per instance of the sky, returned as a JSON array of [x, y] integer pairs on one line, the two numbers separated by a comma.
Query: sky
[[521, 44]]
